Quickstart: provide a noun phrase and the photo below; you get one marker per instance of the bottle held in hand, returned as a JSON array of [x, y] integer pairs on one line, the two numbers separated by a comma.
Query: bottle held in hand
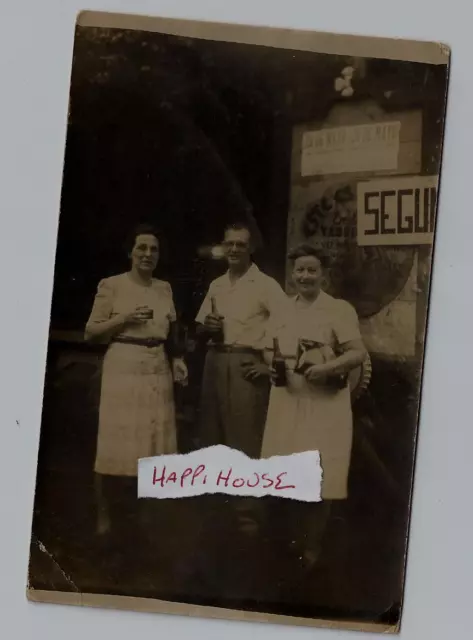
[[146, 312], [217, 336], [279, 365], [308, 353], [316, 353]]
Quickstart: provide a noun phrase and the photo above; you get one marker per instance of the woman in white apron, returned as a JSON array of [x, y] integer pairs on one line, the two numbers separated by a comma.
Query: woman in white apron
[[133, 313], [313, 411]]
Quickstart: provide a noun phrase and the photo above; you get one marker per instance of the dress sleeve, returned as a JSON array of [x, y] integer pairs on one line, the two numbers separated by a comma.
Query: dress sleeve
[[345, 324], [103, 303]]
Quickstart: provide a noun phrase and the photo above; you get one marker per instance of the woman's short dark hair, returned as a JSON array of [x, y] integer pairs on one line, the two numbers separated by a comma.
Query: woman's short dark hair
[[305, 249], [141, 230]]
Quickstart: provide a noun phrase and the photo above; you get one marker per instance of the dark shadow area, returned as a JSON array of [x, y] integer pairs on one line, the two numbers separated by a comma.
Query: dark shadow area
[[359, 576]]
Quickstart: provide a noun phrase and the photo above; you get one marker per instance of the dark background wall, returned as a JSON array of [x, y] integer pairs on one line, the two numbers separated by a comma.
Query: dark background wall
[[192, 134]]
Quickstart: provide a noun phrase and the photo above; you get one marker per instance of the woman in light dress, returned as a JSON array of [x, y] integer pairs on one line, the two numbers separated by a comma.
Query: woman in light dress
[[313, 412], [133, 312]]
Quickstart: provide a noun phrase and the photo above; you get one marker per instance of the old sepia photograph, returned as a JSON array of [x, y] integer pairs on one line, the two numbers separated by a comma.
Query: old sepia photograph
[[238, 322]]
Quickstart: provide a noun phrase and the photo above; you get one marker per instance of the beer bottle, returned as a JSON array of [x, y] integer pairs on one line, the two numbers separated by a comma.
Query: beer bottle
[[217, 337], [279, 365]]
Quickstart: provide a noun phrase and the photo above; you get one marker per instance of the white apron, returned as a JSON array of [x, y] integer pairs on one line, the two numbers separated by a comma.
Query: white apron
[[305, 416]]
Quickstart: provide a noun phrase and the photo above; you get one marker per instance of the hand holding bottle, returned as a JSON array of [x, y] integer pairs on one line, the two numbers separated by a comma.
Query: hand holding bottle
[[214, 321], [279, 375]]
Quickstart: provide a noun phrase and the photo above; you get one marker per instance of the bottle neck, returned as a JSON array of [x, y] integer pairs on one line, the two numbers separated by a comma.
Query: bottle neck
[[276, 349]]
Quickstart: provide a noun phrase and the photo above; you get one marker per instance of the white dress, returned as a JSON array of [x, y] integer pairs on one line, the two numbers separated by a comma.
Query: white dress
[[136, 415], [305, 416]]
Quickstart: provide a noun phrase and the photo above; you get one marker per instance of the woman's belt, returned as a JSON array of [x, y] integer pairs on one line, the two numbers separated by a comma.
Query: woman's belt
[[141, 342]]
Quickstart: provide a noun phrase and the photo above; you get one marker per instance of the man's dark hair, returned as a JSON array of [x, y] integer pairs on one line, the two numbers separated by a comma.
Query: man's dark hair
[[239, 226]]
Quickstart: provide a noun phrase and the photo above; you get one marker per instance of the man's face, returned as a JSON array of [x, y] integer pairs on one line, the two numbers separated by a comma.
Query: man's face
[[237, 245]]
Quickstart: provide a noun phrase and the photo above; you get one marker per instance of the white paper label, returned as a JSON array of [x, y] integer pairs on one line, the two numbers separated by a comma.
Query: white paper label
[[364, 147], [219, 469]]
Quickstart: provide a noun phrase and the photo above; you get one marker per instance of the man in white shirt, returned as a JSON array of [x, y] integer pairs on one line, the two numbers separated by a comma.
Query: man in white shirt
[[236, 384]]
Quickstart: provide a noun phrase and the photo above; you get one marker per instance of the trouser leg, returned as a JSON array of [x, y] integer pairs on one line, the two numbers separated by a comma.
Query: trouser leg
[[210, 430], [244, 415]]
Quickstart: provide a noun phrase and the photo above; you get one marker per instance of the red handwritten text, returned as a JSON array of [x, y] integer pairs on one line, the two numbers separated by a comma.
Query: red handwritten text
[[163, 479], [192, 476], [224, 478]]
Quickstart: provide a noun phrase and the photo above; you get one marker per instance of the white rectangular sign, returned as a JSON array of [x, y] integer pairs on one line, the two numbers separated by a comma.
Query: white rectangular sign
[[397, 211], [219, 469], [358, 148]]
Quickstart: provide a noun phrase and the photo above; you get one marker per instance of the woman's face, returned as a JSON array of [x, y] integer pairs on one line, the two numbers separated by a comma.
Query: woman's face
[[145, 253], [307, 274]]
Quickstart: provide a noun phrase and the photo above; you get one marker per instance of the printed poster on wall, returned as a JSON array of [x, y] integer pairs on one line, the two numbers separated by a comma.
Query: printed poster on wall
[[379, 281], [358, 148]]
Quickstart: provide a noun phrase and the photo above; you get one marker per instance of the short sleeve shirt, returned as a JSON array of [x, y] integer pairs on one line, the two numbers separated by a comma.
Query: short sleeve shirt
[[246, 306]]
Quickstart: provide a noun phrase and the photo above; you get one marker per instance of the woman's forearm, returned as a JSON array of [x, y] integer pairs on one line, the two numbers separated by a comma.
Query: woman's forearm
[[105, 329], [346, 362]]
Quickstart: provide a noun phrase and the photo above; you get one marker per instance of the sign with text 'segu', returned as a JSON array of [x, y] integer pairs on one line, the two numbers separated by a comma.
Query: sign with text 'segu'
[[219, 469], [397, 211]]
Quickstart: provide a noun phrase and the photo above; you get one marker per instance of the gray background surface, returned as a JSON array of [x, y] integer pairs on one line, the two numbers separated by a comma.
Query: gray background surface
[[35, 61]]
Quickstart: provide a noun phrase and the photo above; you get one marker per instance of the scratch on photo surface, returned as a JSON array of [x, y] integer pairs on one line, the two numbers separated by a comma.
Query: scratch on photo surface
[[43, 549]]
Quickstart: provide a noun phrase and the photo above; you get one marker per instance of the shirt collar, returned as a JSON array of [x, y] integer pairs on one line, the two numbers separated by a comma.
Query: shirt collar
[[250, 276], [320, 302]]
